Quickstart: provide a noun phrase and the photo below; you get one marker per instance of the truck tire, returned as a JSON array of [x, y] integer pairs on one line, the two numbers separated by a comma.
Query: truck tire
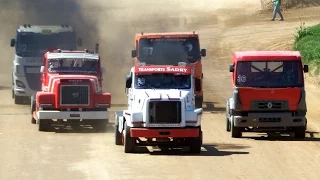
[[235, 131], [228, 124], [129, 142], [300, 132], [198, 101], [44, 124], [101, 125], [18, 99], [196, 143], [32, 109], [117, 136]]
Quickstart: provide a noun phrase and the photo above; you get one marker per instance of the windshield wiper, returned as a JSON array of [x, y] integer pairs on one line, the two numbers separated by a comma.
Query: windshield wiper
[[151, 87]]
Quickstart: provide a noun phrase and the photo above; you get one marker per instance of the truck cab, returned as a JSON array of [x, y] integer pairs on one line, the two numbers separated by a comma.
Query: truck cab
[[161, 109], [268, 93], [71, 90], [169, 49], [31, 42]]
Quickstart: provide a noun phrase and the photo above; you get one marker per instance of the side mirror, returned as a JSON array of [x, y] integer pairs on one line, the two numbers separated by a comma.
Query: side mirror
[[305, 68], [42, 69], [203, 52], [12, 42], [134, 53], [128, 82], [231, 68], [103, 70], [79, 42]]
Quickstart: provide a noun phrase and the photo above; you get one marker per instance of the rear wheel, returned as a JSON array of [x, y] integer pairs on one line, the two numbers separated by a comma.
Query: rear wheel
[[235, 131], [129, 142]]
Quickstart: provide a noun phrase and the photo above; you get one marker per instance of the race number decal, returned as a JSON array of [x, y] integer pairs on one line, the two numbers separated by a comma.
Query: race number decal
[[147, 51], [54, 65], [24, 48], [241, 79]]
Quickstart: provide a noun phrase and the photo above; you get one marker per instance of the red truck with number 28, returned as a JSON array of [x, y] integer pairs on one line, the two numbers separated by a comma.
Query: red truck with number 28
[[71, 91]]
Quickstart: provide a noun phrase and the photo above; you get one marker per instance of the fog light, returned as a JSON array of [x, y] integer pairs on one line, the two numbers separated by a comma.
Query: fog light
[[20, 84]]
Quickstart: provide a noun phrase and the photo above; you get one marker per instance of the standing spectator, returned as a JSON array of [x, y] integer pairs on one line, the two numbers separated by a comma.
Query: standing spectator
[[277, 9]]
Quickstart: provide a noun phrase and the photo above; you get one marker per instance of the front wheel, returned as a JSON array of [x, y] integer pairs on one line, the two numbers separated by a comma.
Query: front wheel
[[44, 124], [196, 143], [300, 132], [117, 136], [129, 142], [235, 131]]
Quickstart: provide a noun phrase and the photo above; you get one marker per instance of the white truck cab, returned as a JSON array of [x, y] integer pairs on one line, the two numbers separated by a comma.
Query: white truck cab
[[161, 109], [31, 42]]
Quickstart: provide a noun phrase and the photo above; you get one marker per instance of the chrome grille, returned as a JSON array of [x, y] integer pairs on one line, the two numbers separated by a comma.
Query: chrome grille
[[269, 105], [165, 112], [74, 95]]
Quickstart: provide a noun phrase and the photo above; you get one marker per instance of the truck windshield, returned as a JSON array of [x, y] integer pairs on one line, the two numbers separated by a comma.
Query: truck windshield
[[269, 74], [169, 51], [73, 65], [36, 44], [162, 81]]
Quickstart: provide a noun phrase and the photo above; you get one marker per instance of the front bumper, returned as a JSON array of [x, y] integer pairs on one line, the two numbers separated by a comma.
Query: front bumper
[[269, 120], [164, 133], [93, 115]]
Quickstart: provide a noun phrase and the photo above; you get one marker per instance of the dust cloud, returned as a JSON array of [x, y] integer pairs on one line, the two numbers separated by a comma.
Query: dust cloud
[[113, 24]]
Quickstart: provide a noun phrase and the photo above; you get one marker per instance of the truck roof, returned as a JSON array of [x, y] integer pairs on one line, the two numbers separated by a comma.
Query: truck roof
[[162, 69], [266, 55], [41, 28], [168, 34]]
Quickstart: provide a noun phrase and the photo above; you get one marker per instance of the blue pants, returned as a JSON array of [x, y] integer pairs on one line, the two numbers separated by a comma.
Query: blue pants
[[277, 10]]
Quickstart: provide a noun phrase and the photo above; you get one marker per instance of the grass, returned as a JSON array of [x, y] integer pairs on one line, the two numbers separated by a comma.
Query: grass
[[307, 41]]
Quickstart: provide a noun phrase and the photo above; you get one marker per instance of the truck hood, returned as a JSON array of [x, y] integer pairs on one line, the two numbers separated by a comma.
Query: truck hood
[[291, 95], [55, 78], [141, 96]]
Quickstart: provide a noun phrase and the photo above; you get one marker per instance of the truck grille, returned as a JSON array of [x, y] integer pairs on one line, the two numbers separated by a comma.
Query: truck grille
[[269, 105], [74, 95], [33, 78], [165, 112]]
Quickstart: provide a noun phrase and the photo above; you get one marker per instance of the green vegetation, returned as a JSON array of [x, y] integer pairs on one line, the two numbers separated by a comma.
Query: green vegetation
[[307, 41]]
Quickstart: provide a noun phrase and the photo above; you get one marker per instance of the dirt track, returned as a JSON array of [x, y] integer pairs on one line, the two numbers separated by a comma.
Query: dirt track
[[29, 154]]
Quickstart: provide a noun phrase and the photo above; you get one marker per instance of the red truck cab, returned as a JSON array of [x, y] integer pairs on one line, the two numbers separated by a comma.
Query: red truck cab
[[268, 93], [71, 90]]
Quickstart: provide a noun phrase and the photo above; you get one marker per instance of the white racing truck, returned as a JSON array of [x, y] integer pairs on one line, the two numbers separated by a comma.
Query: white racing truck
[[161, 109]]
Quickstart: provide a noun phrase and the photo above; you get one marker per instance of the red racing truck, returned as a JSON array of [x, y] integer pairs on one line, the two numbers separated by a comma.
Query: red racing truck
[[71, 91], [268, 93]]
